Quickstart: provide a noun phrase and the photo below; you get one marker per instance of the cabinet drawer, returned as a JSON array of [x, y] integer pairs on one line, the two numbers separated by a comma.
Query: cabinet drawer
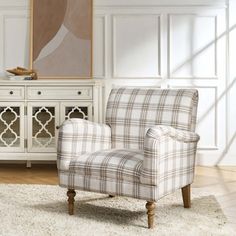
[[61, 93], [11, 93]]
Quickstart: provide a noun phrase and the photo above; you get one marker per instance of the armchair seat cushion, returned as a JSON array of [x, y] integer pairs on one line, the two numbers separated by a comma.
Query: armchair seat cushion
[[117, 164]]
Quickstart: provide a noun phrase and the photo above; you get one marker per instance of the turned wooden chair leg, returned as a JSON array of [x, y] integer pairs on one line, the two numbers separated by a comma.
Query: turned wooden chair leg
[[151, 214], [186, 194], [71, 199]]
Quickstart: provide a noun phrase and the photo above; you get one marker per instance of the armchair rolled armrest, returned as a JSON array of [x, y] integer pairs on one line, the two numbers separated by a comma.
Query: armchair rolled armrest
[[78, 136], [169, 157], [162, 131]]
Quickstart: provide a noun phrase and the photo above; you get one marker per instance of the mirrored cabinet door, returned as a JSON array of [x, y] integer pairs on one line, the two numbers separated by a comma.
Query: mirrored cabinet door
[[82, 110], [43, 118], [11, 127]]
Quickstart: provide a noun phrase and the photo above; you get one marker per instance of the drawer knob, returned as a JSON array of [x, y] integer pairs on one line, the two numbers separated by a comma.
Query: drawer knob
[[11, 92], [39, 93], [57, 127], [79, 92]]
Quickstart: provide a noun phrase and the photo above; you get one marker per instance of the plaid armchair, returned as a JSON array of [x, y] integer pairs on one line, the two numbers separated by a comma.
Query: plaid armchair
[[145, 150]]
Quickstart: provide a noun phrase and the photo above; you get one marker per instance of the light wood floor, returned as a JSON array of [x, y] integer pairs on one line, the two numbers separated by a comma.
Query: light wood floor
[[19, 174], [213, 179], [222, 182]]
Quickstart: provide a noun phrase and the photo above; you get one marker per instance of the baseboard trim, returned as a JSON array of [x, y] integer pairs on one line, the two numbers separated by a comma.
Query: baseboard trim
[[214, 160]]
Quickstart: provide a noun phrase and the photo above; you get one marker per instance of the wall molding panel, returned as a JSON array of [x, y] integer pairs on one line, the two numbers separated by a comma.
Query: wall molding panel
[[1, 44], [18, 33], [229, 157], [19, 49], [100, 46], [193, 55], [159, 3], [208, 117], [126, 38]]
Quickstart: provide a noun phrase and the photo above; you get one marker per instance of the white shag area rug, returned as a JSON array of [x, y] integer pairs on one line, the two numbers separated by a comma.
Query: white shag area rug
[[41, 210]]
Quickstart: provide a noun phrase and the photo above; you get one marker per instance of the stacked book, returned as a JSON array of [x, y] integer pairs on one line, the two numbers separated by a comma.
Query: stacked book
[[19, 77], [20, 73]]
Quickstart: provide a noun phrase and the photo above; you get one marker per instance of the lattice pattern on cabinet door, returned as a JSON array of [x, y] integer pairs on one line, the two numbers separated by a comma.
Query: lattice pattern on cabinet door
[[9, 126], [76, 112], [43, 132]]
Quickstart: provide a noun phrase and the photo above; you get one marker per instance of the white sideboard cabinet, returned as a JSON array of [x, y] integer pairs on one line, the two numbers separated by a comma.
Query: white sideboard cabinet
[[32, 111]]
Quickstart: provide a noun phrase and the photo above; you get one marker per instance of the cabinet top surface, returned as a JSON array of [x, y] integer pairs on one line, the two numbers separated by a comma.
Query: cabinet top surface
[[6, 81]]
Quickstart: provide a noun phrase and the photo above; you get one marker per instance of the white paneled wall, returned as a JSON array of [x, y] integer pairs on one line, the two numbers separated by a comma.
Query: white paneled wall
[[14, 34], [231, 86], [194, 56], [136, 46], [15, 27], [156, 43]]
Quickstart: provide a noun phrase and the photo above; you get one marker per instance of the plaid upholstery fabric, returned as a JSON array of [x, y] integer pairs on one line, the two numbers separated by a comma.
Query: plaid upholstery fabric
[[78, 136], [131, 112], [169, 156], [154, 147], [118, 164], [73, 180]]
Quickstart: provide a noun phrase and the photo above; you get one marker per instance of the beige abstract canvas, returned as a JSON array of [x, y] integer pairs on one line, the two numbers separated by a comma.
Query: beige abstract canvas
[[62, 38]]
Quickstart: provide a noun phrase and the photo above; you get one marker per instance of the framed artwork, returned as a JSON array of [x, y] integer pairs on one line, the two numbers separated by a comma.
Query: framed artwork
[[61, 38]]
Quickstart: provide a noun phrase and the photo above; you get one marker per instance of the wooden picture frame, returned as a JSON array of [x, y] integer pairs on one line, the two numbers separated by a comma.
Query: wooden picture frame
[[61, 38]]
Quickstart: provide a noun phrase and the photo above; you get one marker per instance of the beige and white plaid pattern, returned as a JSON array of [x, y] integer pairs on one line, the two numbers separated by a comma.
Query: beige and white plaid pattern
[[151, 133], [78, 136], [73, 180], [118, 164], [169, 156], [131, 112]]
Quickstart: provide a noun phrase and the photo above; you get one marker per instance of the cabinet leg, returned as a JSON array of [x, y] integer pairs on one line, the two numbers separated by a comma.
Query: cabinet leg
[[28, 164]]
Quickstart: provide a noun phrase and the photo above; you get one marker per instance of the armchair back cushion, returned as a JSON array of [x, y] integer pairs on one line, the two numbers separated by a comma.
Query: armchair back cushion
[[131, 112]]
